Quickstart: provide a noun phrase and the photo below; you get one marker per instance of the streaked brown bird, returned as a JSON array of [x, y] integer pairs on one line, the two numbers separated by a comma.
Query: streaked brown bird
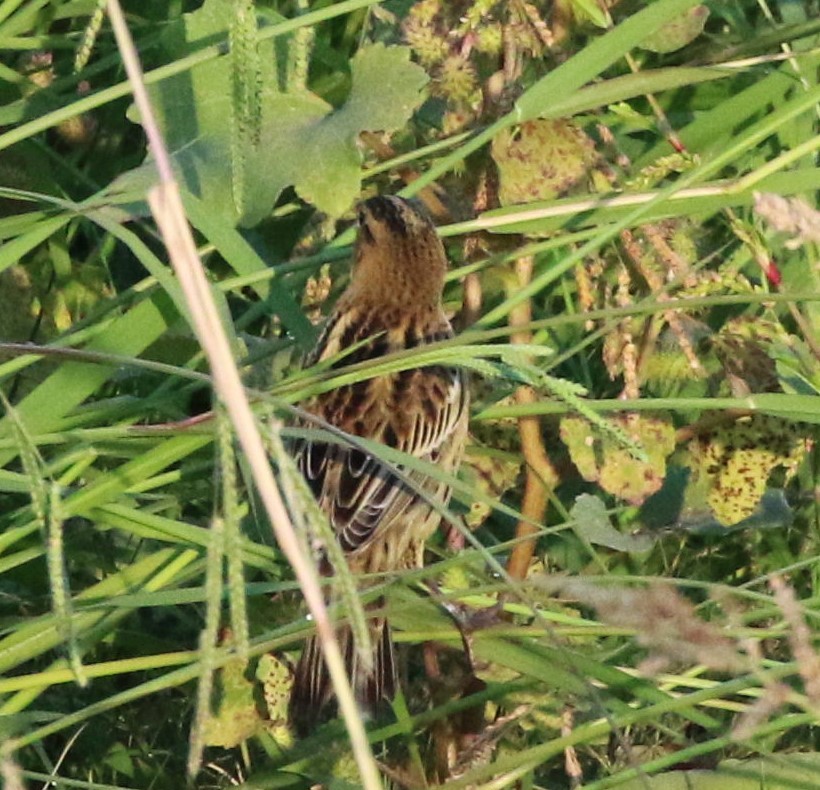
[[393, 303]]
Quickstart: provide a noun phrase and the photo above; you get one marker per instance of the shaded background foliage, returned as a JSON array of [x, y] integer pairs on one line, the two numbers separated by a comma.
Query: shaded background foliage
[[643, 329]]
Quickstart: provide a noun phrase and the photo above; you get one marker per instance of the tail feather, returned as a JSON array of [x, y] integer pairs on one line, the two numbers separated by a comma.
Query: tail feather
[[312, 700]]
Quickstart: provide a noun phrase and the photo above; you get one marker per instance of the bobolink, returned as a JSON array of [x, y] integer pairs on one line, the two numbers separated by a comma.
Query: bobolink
[[393, 303]]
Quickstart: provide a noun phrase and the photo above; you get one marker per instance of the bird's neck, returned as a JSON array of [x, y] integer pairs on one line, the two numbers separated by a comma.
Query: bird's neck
[[395, 296]]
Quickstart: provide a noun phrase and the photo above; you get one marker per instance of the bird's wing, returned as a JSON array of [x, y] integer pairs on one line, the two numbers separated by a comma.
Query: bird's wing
[[423, 422], [417, 411]]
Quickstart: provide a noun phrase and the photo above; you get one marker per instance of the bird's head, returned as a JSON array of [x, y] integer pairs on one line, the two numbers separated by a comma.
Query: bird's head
[[399, 258]]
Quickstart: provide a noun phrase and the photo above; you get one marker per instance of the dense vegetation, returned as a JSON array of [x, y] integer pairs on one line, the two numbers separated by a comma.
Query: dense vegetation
[[627, 584]]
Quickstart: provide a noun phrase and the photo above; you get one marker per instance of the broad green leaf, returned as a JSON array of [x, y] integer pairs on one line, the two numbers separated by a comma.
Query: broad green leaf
[[600, 459], [491, 473], [303, 142], [733, 463], [679, 32], [319, 152], [773, 511], [541, 160], [592, 524], [276, 678], [236, 717]]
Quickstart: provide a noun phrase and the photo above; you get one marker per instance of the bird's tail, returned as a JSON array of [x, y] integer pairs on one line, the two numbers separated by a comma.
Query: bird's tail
[[312, 700]]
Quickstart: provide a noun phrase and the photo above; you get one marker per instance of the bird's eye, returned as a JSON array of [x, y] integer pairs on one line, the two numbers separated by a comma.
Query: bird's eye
[[361, 217]]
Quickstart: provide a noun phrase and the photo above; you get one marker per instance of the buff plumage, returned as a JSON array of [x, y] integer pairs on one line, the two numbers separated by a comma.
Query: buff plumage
[[393, 303]]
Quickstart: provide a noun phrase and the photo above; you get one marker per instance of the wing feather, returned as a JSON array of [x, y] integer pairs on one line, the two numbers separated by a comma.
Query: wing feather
[[416, 411]]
